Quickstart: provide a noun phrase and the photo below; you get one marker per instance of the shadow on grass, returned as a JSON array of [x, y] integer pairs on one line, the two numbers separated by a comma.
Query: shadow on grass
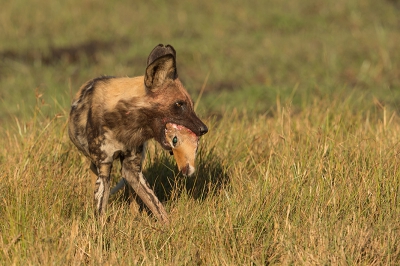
[[162, 174], [209, 178]]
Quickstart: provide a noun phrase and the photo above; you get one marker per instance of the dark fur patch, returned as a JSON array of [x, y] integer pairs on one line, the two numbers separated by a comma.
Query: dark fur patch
[[102, 78], [125, 122]]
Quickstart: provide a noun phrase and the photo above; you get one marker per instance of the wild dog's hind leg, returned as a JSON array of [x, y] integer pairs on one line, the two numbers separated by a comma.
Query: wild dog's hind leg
[[132, 172], [93, 178], [102, 187]]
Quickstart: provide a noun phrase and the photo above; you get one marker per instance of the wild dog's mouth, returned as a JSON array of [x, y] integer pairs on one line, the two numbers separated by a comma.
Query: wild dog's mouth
[[163, 140], [165, 144]]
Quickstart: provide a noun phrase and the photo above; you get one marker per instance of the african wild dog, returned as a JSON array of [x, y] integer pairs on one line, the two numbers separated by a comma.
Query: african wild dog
[[112, 118]]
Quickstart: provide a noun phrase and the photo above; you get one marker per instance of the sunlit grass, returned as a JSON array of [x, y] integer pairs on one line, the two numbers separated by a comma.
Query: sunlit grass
[[318, 186]]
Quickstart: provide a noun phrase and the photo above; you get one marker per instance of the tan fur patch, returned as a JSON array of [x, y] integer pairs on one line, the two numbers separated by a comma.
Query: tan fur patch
[[119, 89]]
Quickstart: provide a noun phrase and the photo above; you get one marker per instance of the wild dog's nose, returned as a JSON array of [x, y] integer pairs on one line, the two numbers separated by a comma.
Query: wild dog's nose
[[203, 130]]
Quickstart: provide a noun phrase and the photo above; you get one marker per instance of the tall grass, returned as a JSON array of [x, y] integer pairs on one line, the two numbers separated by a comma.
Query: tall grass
[[320, 186]]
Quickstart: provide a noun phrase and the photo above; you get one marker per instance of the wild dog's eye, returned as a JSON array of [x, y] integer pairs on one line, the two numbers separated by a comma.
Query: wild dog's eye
[[174, 141], [179, 104]]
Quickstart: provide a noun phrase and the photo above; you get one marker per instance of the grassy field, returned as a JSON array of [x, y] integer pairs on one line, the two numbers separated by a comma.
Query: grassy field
[[302, 162]]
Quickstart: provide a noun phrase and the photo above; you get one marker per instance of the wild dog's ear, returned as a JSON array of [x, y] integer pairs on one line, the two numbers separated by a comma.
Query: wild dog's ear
[[161, 66], [159, 51]]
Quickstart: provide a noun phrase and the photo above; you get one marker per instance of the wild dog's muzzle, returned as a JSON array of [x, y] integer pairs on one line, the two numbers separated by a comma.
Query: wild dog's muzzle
[[184, 146]]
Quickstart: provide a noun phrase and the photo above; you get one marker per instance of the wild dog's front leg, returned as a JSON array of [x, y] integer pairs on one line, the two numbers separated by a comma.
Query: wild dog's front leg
[[132, 172], [102, 187]]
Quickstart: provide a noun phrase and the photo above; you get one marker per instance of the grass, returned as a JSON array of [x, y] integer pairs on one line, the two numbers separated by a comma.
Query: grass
[[318, 187], [301, 164]]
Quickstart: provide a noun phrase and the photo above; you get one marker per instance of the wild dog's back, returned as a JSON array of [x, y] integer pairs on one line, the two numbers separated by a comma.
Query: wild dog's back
[[96, 97]]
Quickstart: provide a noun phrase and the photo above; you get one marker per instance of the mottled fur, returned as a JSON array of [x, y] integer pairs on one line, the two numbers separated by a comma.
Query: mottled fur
[[113, 118]]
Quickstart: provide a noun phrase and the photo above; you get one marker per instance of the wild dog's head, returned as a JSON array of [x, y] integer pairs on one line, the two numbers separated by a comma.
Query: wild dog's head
[[184, 147], [168, 97]]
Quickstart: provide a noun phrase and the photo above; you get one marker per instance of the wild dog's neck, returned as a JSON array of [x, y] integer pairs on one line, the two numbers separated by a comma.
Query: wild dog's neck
[[131, 121]]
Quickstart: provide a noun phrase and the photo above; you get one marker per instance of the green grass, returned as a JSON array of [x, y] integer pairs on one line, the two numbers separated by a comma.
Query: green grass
[[301, 164]]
